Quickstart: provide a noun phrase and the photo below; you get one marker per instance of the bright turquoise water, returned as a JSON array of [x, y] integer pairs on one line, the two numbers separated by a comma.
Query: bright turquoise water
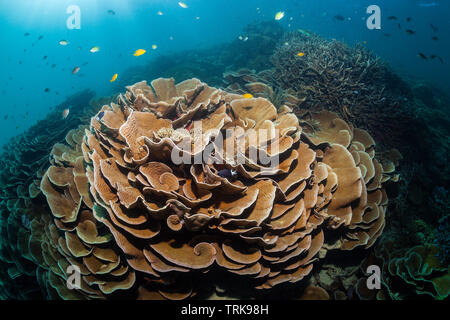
[[25, 73]]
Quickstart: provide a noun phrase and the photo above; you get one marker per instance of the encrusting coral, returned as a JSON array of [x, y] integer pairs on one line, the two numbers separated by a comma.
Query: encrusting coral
[[133, 217]]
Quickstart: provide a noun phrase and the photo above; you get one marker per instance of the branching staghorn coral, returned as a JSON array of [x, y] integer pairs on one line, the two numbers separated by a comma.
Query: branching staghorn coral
[[350, 81], [330, 74], [137, 221]]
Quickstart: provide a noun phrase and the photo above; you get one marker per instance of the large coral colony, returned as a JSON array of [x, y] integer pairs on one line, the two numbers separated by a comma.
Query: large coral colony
[[155, 193], [122, 211]]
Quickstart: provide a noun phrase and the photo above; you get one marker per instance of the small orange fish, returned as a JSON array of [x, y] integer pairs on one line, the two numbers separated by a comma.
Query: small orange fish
[[114, 77], [65, 113], [300, 54], [247, 96]]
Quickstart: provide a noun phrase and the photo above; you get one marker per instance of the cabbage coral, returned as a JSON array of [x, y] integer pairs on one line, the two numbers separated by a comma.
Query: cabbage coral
[[409, 273], [138, 207], [23, 163]]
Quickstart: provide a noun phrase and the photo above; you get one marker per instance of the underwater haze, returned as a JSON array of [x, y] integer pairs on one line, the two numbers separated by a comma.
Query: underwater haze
[[225, 149]]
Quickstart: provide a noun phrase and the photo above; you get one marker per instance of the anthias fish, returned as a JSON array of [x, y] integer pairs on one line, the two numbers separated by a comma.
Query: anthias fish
[[139, 52], [304, 32], [435, 29], [422, 56], [65, 113], [433, 56]]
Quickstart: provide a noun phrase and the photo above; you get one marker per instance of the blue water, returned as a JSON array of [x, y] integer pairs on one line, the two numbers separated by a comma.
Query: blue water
[[136, 24]]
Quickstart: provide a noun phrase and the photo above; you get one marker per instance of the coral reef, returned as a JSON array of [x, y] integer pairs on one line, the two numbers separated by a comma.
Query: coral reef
[[333, 76], [409, 273], [110, 201], [132, 218], [23, 163]]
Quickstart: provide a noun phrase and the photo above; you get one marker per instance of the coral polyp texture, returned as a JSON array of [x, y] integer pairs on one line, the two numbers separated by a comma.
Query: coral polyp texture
[[163, 186]]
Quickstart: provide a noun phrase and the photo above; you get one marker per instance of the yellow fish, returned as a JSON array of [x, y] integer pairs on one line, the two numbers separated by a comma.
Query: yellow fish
[[113, 78], [365, 42], [160, 13], [154, 47], [65, 113], [279, 15], [95, 49], [247, 96], [64, 42], [300, 54], [139, 52], [182, 4]]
